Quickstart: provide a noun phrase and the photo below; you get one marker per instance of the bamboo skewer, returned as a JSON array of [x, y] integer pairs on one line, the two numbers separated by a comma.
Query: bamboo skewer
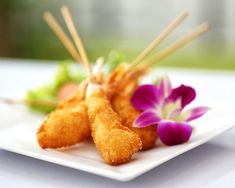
[[203, 28], [178, 44], [159, 39], [40, 102], [72, 29], [32, 102], [156, 42], [132, 70], [11, 101], [57, 29]]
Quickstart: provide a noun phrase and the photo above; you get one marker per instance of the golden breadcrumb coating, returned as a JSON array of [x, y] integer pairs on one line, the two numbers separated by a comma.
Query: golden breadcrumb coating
[[64, 127], [115, 143], [122, 105]]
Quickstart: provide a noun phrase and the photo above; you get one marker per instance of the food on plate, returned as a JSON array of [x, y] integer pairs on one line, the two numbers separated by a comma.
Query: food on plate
[[122, 105], [115, 142], [111, 118], [64, 127], [111, 105]]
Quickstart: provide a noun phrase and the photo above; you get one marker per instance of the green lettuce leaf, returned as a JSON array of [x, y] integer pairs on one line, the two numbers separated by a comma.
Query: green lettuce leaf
[[43, 93], [48, 92], [114, 59]]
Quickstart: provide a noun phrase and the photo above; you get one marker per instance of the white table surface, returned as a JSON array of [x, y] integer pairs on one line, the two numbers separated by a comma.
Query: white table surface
[[210, 165]]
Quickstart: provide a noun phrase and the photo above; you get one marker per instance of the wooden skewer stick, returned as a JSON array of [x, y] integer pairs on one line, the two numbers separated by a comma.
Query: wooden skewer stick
[[27, 101], [72, 29], [159, 39], [11, 101], [133, 75], [203, 28], [54, 25], [40, 103]]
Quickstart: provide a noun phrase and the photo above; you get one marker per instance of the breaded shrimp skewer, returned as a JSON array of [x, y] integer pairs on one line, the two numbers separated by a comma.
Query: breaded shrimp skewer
[[115, 142], [122, 105], [67, 125], [64, 127]]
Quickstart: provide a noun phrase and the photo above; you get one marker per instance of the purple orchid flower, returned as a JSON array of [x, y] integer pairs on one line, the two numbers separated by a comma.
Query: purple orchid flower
[[164, 106]]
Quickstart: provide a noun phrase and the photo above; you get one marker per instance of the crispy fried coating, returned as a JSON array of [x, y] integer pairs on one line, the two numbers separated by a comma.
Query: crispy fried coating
[[122, 105], [115, 143], [64, 127]]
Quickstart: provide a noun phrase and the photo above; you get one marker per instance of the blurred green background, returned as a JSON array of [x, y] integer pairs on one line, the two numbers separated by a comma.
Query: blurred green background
[[124, 25]]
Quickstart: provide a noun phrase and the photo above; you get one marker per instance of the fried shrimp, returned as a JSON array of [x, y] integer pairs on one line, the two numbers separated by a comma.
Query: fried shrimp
[[64, 127], [115, 142], [122, 105]]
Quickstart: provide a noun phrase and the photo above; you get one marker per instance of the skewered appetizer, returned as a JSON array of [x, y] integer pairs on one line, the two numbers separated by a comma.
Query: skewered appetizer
[[109, 114], [121, 116]]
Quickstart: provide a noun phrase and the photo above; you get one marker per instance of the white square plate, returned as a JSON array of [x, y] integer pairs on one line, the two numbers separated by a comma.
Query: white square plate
[[18, 128]]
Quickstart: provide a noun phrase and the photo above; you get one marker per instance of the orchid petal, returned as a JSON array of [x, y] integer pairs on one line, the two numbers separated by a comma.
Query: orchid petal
[[194, 113], [183, 93], [173, 133], [165, 87], [146, 118], [145, 97]]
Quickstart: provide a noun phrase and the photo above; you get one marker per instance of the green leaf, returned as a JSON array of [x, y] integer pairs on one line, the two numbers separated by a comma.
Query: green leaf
[[113, 60], [44, 93], [48, 92]]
